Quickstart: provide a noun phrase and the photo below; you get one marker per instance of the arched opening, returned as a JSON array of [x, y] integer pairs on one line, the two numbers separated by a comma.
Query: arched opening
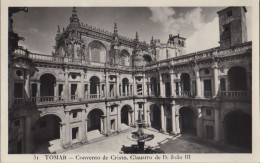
[[185, 84], [47, 82], [126, 115], [125, 86], [97, 52], [94, 120], [155, 116], [153, 86], [237, 79], [238, 129], [187, 120], [147, 58], [94, 87], [124, 58], [46, 132]]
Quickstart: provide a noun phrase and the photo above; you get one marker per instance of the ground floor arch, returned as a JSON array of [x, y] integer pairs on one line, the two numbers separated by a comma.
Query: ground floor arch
[[238, 129], [126, 115], [187, 120], [94, 120], [45, 131], [155, 116]]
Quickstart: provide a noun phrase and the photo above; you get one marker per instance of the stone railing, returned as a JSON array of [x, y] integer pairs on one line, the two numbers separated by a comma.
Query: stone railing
[[234, 94], [20, 51], [207, 94]]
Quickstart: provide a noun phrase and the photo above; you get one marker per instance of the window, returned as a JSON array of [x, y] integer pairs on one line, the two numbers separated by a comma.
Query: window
[[122, 61], [74, 76], [19, 73], [229, 13], [18, 90], [206, 71], [74, 114], [140, 105], [209, 132], [75, 132], [208, 112]]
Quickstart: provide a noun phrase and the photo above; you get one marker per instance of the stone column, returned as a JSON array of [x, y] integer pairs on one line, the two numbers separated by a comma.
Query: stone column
[[199, 125], [217, 125], [63, 134], [174, 131], [56, 92], [27, 95], [68, 133], [28, 135], [179, 85], [177, 121], [129, 118], [161, 85], [144, 87], [148, 117], [134, 86], [162, 119], [38, 95], [117, 85], [107, 85], [83, 125], [198, 83], [216, 81], [173, 93], [145, 112], [66, 91], [108, 125], [82, 90], [135, 112], [118, 119]]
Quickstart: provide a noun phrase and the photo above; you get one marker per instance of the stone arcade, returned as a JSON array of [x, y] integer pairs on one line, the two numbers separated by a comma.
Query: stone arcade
[[97, 81]]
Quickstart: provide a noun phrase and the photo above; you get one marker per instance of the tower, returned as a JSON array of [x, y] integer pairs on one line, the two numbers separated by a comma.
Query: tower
[[232, 26]]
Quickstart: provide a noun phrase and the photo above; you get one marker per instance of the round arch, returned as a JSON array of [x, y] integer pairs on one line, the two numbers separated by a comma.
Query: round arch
[[47, 87], [97, 51], [125, 58], [238, 128], [46, 129], [155, 116], [187, 120], [94, 120], [94, 88], [185, 82], [237, 77], [126, 114]]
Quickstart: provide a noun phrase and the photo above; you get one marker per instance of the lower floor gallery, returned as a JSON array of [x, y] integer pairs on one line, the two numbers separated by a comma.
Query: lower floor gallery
[[58, 129]]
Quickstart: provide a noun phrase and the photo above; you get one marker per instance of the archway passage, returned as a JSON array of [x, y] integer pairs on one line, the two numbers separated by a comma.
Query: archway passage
[[125, 114], [47, 82], [46, 132], [94, 82], [155, 116], [187, 121], [94, 120], [238, 127], [237, 79], [185, 81]]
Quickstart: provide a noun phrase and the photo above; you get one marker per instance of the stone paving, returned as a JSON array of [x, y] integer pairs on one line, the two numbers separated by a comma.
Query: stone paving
[[165, 142]]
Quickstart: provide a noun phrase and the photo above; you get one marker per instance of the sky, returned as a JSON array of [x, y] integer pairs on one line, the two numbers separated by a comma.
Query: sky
[[198, 24]]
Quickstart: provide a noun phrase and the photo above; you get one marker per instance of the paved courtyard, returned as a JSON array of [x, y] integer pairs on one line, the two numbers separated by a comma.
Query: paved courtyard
[[164, 142]]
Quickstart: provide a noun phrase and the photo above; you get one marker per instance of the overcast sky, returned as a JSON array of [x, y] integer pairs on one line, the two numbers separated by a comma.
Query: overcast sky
[[198, 24]]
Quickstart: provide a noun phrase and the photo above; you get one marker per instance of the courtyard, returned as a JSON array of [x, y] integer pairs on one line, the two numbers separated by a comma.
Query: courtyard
[[162, 143]]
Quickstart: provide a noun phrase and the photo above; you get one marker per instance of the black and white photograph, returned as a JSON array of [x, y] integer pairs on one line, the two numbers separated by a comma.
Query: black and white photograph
[[129, 82]]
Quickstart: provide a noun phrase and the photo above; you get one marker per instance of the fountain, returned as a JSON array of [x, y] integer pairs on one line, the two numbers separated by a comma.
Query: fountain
[[139, 136]]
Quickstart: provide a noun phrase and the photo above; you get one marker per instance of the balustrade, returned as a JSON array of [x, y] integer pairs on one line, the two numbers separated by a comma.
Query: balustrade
[[185, 93], [207, 93], [18, 100]]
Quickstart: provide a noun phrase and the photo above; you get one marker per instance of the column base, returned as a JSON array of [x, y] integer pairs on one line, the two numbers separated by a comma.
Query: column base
[[173, 133], [162, 130]]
